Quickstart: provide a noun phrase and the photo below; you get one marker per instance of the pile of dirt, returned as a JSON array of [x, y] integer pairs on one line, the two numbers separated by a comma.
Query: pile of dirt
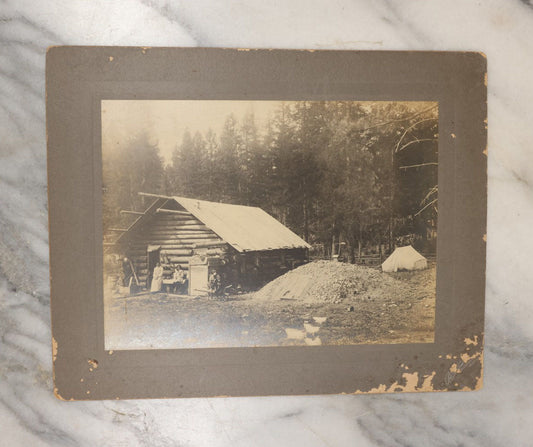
[[329, 282]]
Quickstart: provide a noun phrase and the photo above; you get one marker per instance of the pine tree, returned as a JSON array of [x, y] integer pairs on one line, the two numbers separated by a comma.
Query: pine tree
[[129, 169]]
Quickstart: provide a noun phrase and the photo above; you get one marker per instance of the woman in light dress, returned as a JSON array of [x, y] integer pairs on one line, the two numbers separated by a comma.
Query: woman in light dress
[[157, 280]]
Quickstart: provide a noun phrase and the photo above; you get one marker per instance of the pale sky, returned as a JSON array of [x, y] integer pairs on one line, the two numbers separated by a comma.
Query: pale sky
[[166, 120]]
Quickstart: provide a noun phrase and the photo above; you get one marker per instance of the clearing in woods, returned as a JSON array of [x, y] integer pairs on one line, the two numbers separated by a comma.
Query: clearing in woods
[[320, 303]]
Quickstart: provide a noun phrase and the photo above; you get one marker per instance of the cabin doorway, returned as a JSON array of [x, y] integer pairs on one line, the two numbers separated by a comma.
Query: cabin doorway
[[153, 257]]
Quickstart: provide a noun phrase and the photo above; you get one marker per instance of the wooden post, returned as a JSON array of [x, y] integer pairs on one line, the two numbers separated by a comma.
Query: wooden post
[[157, 196], [134, 274], [137, 213], [165, 211]]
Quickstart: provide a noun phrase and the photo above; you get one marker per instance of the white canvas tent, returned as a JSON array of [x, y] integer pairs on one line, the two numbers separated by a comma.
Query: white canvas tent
[[404, 258]]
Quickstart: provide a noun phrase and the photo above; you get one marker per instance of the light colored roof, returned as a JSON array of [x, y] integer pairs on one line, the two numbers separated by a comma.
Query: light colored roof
[[245, 228]]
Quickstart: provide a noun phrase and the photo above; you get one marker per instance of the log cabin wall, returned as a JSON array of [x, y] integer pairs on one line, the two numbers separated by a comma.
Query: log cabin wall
[[264, 266], [178, 235]]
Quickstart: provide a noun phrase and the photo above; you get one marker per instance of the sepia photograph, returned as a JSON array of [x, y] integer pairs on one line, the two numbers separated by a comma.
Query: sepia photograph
[[268, 223]]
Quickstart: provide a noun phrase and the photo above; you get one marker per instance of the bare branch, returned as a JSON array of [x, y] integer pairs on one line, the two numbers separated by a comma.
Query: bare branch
[[400, 120], [428, 205], [418, 166], [408, 129], [416, 141], [429, 194]]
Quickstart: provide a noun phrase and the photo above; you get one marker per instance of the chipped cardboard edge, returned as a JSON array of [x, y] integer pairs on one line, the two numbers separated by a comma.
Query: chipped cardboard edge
[[54, 358], [460, 362], [54, 349]]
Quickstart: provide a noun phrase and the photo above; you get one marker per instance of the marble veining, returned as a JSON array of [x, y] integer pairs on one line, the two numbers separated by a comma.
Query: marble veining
[[499, 414]]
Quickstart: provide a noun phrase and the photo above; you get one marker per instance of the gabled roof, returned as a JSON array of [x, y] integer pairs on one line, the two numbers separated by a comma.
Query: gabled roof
[[156, 204], [245, 228]]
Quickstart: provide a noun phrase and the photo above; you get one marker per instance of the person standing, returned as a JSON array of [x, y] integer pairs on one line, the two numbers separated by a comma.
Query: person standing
[[178, 277], [215, 283], [157, 278]]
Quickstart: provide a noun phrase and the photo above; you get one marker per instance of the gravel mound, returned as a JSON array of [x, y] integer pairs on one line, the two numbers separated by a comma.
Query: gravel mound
[[329, 282]]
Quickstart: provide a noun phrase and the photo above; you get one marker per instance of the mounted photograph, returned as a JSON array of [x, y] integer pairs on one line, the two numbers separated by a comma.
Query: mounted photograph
[[265, 222], [268, 223]]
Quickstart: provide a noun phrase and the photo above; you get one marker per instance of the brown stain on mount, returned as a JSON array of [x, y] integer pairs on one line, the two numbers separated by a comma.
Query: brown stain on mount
[[93, 363]]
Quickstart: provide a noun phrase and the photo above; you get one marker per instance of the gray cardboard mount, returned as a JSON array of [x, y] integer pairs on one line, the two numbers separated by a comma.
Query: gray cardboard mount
[[78, 78]]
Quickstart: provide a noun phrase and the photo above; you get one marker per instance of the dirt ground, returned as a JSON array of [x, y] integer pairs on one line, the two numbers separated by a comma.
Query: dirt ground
[[320, 303]]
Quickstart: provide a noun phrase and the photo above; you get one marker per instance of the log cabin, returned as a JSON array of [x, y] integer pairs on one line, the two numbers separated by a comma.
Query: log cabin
[[244, 244]]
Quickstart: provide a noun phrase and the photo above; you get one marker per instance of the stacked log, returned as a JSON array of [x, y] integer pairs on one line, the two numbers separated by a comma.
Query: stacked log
[[178, 234], [272, 263]]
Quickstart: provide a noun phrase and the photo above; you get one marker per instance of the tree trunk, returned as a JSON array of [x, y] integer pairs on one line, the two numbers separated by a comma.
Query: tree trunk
[[359, 243], [306, 221], [391, 205]]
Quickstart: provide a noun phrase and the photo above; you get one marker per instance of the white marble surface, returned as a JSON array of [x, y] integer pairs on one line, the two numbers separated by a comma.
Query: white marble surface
[[499, 414]]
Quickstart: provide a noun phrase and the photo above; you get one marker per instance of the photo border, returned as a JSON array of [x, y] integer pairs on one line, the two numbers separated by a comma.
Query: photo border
[[78, 78]]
